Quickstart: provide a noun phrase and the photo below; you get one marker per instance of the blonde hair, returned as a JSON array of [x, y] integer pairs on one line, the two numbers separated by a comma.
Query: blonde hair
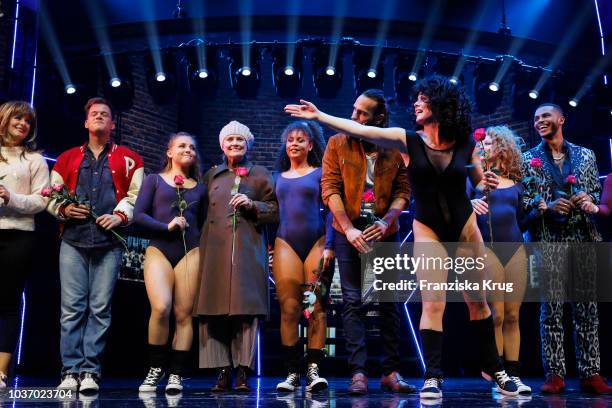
[[10, 110], [507, 154], [194, 170]]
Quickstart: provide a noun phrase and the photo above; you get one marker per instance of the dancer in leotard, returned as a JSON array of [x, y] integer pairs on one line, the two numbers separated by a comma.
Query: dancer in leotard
[[300, 244], [438, 157], [171, 276], [505, 262]]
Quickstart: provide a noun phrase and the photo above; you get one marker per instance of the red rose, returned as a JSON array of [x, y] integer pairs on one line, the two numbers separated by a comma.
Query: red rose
[[57, 187], [368, 196], [179, 180], [46, 192], [480, 134], [536, 162], [571, 179], [242, 171]]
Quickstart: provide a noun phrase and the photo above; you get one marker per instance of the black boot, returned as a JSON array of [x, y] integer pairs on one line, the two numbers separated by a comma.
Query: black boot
[[224, 380], [242, 379]]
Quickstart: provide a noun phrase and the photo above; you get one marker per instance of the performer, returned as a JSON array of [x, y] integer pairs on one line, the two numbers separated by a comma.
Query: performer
[[301, 242], [171, 268], [23, 175], [437, 155], [351, 167], [108, 176], [561, 159], [505, 262], [234, 286]]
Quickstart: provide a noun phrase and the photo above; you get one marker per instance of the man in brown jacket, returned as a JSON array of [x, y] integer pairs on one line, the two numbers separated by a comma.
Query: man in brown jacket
[[351, 168]]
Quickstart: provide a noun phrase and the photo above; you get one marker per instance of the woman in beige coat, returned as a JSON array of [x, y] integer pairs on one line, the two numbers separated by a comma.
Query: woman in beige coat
[[234, 287]]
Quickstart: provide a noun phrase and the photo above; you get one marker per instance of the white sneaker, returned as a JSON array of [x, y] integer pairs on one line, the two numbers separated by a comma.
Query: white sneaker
[[175, 384], [89, 383], [152, 380], [432, 389], [522, 388], [291, 383], [70, 382]]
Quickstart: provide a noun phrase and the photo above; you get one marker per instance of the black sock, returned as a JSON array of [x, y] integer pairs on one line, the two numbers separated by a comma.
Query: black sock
[[293, 356], [513, 368], [315, 356], [158, 355], [484, 334], [431, 341], [179, 360]]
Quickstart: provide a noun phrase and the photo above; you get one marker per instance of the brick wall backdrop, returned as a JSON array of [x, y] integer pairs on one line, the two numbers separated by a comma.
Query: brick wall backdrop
[[6, 25], [146, 126]]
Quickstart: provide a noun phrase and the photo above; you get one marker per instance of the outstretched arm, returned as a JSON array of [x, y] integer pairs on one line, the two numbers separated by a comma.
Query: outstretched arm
[[392, 138]]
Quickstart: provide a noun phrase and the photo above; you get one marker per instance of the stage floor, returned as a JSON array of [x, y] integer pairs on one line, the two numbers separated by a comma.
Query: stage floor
[[473, 393]]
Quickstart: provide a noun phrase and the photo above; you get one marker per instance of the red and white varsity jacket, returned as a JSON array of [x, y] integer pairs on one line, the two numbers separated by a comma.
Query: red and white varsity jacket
[[126, 168]]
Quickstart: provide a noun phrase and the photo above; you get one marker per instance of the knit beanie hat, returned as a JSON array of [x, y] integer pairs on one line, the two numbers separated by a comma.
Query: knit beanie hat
[[236, 128]]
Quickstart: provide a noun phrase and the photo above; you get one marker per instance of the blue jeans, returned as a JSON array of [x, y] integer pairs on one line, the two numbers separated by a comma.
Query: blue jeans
[[87, 278], [353, 312]]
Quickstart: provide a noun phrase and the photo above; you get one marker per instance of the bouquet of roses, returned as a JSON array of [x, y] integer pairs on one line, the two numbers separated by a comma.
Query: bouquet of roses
[[64, 197], [314, 290]]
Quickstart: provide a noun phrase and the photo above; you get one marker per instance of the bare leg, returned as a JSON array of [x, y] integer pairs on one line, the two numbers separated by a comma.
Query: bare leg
[[516, 272], [159, 281], [186, 279], [5, 361]]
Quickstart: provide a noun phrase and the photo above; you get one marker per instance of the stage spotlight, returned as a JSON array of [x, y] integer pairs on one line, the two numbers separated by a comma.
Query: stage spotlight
[[162, 84], [245, 71], [245, 75], [115, 82], [524, 94], [202, 73], [454, 80], [403, 76], [533, 94], [70, 89], [367, 76], [327, 78], [118, 88], [445, 65], [287, 73], [573, 102], [487, 92]]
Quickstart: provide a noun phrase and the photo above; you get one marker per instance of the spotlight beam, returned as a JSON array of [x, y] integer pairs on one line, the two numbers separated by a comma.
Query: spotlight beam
[[200, 29], [592, 77], [96, 15], [340, 12], [565, 45], [381, 35], [52, 42], [292, 30], [472, 37], [430, 25], [246, 11], [152, 36]]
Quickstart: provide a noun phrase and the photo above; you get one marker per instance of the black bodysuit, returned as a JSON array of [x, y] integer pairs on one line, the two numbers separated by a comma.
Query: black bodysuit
[[441, 201]]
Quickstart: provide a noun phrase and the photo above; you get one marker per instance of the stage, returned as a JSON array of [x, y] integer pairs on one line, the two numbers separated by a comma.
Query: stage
[[458, 392]]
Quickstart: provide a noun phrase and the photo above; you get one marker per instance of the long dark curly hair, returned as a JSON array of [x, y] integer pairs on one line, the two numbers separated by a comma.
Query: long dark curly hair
[[314, 132], [450, 106]]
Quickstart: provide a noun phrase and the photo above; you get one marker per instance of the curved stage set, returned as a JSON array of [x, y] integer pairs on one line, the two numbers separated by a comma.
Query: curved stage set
[[305, 203]]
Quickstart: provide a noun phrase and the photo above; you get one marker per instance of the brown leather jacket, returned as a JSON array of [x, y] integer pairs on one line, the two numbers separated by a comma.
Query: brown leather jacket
[[344, 173]]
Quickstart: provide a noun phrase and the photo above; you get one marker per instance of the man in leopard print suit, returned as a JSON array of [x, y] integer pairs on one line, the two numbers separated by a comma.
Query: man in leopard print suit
[[560, 220]]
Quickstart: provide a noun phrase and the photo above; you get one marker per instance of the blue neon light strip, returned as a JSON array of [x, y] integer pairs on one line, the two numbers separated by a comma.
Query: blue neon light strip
[[23, 309], [33, 80], [258, 356], [15, 34], [601, 37]]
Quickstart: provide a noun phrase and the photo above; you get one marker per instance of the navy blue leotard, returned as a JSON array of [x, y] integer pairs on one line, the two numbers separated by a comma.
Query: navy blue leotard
[[301, 220], [154, 211], [440, 199]]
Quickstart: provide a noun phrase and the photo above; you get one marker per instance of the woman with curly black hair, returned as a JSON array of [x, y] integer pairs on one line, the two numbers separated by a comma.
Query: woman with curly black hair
[[440, 156], [301, 242]]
